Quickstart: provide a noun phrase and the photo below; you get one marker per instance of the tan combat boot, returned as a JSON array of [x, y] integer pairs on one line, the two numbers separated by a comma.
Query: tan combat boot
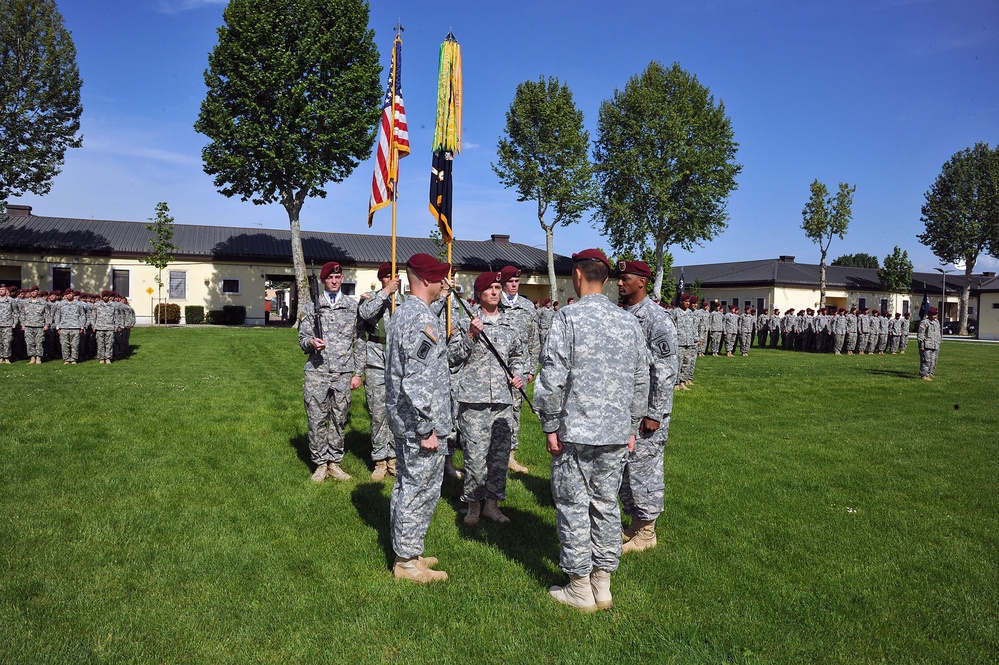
[[472, 516], [381, 468], [391, 466], [514, 465], [644, 539], [600, 584], [411, 571], [629, 533], [319, 475], [492, 512], [576, 594], [450, 470], [334, 471]]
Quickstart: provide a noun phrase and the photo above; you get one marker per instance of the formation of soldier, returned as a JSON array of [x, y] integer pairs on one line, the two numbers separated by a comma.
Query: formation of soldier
[[838, 331], [72, 326]]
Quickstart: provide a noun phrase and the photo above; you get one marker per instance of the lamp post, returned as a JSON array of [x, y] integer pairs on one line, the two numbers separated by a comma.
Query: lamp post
[[943, 294]]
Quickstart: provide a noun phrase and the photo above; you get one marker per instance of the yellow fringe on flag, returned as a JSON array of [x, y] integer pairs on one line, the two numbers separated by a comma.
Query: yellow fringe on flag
[[447, 134]]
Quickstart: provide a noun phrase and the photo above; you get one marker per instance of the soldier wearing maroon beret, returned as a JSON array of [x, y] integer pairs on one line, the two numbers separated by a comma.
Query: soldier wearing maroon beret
[[9, 320], [525, 317]]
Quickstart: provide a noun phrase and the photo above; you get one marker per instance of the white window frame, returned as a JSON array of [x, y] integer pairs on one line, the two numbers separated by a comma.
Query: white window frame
[[115, 269], [239, 286], [169, 294]]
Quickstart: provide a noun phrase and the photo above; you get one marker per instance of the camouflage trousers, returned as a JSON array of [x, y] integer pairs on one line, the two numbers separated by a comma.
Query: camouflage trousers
[[486, 431], [6, 337], [839, 339], [745, 341], [34, 339], [862, 341], [643, 486], [882, 342], [851, 341], [105, 344], [716, 340], [928, 361], [52, 346], [731, 341], [327, 401], [70, 339], [688, 358], [382, 441], [702, 340], [415, 493], [585, 484], [774, 339], [894, 343], [518, 401], [903, 342]]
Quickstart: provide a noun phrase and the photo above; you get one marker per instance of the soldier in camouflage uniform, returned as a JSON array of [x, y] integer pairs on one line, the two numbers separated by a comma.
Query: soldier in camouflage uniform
[[9, 320], [701, 315], [686, 333], [928, 337], [332, 371], [838, 327], [71, 319], [545, 316], [731, 330], [643, 485], [863, 331], [851, 330], [375, 311], [716, 328], [34, 324], [904, 340], [747, 325], [523, 312], [591, 395], [53, 300], [416, 383], [883, 324], [775, 328], [106, 322], [484, 396], [895, 333]]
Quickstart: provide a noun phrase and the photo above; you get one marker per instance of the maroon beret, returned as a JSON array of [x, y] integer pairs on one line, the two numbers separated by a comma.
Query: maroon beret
[[385, 270], [105, 293], [592, 255], [34, 288], [933, 310], [508, 273], [330, 268], [640, 268], [685, 297], [428, 268], [487, 279]]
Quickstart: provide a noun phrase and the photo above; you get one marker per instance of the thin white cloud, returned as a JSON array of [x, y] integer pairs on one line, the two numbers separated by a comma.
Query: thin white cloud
[[126, 149], [177, 6]]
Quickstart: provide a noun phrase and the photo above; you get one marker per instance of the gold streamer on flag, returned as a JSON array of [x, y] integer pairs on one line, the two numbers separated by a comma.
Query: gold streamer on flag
[[447, 134]]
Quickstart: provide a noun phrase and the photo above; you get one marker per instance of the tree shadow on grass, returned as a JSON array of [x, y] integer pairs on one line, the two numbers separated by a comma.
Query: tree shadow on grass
[[373, 507], [526, 539], [359, 444], [897, 373], [300, 443], [541, 488]]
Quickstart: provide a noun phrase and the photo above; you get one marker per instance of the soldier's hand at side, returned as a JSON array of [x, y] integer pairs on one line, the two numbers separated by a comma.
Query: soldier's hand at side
[[318, 344], [392, 286], [355, 382], [475, 327], [429, 443], [631, 443], [649, 425], [516, 382], [552, 444]]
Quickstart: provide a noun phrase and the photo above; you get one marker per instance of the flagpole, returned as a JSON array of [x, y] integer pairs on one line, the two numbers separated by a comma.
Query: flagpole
[[394, 165]]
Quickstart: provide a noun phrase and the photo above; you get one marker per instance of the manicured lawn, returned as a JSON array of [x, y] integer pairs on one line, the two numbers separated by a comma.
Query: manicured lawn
[[819, 509]]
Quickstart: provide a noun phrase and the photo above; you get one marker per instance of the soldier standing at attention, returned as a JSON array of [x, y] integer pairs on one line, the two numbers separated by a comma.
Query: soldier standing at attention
[[863, 330], [895, 333], [686, 333], [71, 319], [851, 330], [105, 325], [775, 325], [545, 316], [731, 330], [332, 370], [747, 325], [643, 486], [525, 316], [417, 398], [485, 398], [904, 340], [33, 324], [928, 338], [9, 319], [838, 326], [716, 326], [591, 395], [375, 310], [883, 323], [701, 315]]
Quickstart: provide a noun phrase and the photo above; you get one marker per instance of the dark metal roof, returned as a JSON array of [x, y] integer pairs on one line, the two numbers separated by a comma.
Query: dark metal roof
[[35, 234], [775, 272]]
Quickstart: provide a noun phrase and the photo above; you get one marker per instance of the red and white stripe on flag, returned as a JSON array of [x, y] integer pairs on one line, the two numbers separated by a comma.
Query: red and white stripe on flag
[[393, 139]]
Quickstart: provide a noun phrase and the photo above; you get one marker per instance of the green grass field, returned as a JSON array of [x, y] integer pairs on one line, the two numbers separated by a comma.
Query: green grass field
[[818, 509]]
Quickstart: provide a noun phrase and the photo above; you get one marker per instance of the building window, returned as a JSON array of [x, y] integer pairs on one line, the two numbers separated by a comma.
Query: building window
[[230, 286], [61, 278], [884, 304], [10, 275], [178, 285], [760, 304], [348, 288], [120, 281], [735, 302], [862, 303], [905, 306], [971, 310]]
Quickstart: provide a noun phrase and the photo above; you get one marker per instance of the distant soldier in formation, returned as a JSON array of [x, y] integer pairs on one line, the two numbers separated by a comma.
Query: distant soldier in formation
[[716, 326], [928, 337], [70, 320], [702, 316], [839, 325], [686, 334], [545, 316], [330, 332], [763, 328], [34, 323], [863, 330], [525, 318], [9, 320], [775, 328], [747, 326], [904, 341], [731, 330], [895, 333]]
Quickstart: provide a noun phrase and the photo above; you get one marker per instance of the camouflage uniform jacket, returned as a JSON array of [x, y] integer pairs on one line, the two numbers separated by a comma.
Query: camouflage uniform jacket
[[701, 319], [375, 311], [10, 313], [417, 382], [895, 327], [343, 333], [883, 322], [480, 378], [526, 320], [839, 324], [106, 316], [545, 316], [686, 327], [747, 323], [864, 323], [928, 334], [593, 387], [50, 312], [851, 323], [716, 322], [661, 341], [34, 313], [71, 315], [775, 323], [731, 323]]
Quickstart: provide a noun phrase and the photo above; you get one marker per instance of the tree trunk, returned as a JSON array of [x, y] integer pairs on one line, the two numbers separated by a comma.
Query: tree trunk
[[962, 311], [657, 285], [294, 207], [550, 246], [822, 281]]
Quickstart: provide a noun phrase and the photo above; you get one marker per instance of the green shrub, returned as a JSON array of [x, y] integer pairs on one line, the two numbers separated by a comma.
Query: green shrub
[[194, 314], [214, 317], [234, 315], [166, 313]]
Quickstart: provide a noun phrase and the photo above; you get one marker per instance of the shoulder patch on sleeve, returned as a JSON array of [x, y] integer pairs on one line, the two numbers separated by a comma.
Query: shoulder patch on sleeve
[[424, 350], [431, 333], [366, 296], [662, 346]]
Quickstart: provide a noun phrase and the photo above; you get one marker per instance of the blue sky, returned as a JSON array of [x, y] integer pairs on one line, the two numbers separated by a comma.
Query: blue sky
[[877, 93]]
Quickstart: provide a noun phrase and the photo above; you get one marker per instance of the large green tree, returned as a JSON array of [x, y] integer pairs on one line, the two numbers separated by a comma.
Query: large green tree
[[293, 103], [896, 276], [665, 161], [545, 157], [858, 260], [824, 217], [39, 96], [961, 213]]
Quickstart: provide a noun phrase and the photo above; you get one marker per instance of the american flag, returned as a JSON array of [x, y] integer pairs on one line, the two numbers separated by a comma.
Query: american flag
[[393, 138]]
